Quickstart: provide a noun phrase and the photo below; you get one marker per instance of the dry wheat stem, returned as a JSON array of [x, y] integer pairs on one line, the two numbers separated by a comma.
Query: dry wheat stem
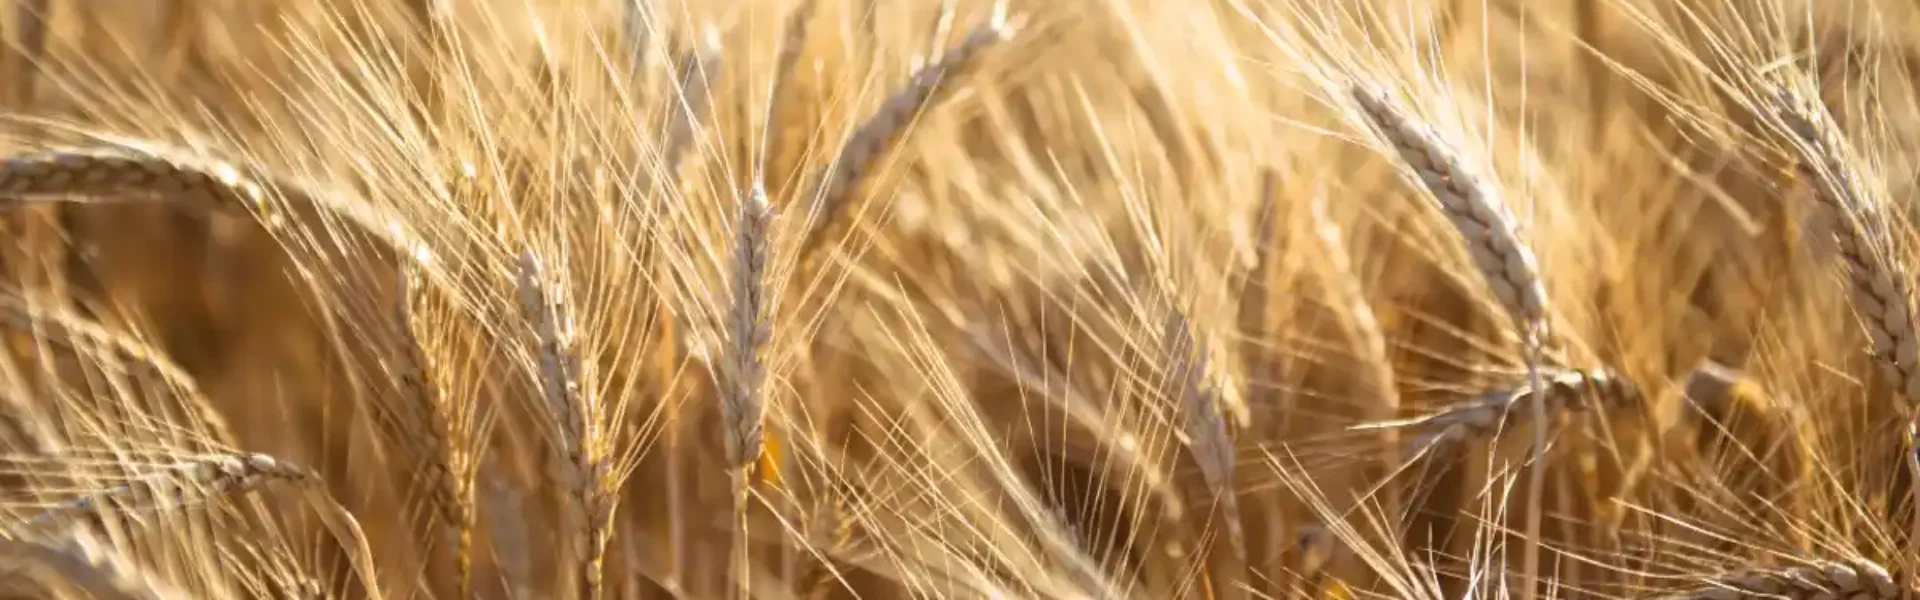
[[54, 566], [1203, 426], [578, 462], [1487, 226], [442, 452], [1853, 580], [875, 134]]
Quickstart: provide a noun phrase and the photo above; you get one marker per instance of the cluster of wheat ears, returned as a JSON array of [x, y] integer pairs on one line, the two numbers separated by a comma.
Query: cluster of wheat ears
[[1077, 299]]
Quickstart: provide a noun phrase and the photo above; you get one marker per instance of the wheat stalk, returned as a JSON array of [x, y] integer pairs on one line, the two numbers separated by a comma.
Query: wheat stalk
[[578, 461]]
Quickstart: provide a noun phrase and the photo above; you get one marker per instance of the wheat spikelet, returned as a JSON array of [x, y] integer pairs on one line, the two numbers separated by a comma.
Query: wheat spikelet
[[1202, 424], [874, 135], [578, 464], [1855, 579]]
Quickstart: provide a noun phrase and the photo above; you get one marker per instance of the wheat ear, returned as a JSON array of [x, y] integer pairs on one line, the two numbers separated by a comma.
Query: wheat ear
[[1487, 227], [578, 462], [442, 451], [1205, 429], [1854, 579], [1878, 282], [875, 134], [743, 374]]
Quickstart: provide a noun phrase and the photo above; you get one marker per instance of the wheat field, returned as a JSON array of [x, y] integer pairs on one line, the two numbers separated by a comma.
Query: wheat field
[[1008, 299]]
